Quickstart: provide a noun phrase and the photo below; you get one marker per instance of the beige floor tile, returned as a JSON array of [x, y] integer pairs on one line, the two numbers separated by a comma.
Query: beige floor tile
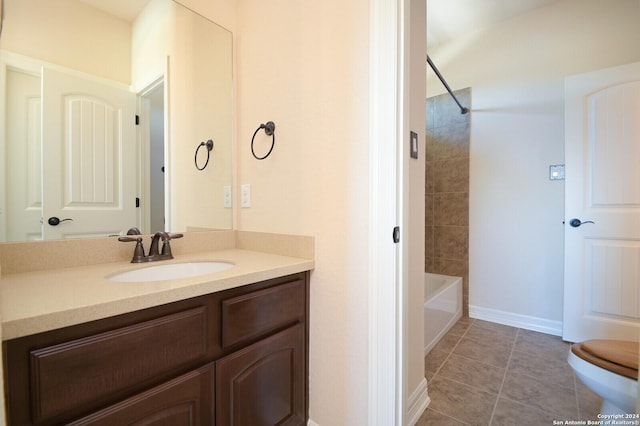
[[494, 352], [531, 391], [461, 327], [543, 344], [483, 334], [504, 330], [554, 371], [433, 361], [447, 343], [461, 402], [473, 373], [511, 413]]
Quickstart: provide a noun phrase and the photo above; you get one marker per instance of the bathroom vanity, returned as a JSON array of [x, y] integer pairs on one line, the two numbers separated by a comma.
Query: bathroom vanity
[[234, 352]]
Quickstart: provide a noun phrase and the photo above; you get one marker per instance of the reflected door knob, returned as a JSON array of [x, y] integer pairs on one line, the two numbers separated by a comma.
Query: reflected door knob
[[54, 221], [577, 222]]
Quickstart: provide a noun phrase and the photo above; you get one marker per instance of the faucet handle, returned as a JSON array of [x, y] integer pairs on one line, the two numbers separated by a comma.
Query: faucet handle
[[129, 239], [166, 247], [138, 251]]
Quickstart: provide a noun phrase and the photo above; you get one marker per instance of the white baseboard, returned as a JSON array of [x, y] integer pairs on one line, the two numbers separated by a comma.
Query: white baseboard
[[516, 320], [418, 402]]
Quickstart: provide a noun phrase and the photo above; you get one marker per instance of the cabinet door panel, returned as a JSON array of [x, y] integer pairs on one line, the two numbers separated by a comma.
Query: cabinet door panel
[[263, 384], [185, 401], [259, 312]]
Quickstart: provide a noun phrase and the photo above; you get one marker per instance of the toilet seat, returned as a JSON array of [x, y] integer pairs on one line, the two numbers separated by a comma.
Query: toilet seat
[[617, 356]]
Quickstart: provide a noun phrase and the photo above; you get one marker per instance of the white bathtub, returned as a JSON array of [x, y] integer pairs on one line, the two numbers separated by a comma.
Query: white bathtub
[[442, 306]]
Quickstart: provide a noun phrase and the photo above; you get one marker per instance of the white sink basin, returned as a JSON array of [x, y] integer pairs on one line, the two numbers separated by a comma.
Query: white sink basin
[[170, 271]]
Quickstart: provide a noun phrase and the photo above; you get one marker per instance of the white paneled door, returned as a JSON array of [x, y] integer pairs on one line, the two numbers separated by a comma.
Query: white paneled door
[[602, 204], [89, 157]]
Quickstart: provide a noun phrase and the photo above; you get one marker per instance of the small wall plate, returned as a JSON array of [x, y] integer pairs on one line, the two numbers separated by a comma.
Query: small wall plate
[[413, 140], [556, 172]]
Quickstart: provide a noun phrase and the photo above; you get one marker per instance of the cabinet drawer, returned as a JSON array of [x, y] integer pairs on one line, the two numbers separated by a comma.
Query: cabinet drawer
[[260, 312], [94, 370]]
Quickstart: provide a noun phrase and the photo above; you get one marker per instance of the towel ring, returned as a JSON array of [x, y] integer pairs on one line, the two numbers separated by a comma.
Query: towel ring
[[209, 145], [269, 129]]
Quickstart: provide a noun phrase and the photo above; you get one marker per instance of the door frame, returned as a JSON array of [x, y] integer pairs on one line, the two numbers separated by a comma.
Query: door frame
[[387, 394]]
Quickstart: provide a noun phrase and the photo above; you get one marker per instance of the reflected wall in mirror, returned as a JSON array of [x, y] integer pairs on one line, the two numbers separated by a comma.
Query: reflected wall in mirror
[[76, 76]]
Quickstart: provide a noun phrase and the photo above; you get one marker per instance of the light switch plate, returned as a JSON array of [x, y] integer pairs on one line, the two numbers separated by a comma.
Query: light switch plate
[[227, 197], [245, 195], [556, 172], [413, 140]]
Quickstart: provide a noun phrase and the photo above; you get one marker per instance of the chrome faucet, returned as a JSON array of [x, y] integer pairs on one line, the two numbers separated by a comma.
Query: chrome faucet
[[155, 253]]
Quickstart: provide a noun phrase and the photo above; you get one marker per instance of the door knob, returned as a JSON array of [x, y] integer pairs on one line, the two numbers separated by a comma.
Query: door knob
[[577, 222], [54, 221]]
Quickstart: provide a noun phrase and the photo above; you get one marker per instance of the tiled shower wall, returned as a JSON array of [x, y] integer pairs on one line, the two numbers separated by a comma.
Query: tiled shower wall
[[447, 188]]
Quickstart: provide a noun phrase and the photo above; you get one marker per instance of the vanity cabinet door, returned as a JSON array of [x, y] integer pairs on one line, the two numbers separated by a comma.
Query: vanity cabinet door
[[184, 401], [264, 384]]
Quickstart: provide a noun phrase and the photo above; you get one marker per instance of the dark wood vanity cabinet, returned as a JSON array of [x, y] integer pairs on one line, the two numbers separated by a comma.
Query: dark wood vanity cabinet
[[235, 357]]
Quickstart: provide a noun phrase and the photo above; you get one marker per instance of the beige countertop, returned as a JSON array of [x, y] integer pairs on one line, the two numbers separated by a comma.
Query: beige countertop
[[37, 301]]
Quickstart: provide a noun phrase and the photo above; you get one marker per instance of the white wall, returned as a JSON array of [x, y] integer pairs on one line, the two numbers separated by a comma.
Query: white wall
[[516, 71], [304, 66], [49, 31]]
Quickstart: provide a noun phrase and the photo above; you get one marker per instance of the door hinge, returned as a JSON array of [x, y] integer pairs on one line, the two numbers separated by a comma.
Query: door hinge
[[137, 120], [137, 202], [396, 234]]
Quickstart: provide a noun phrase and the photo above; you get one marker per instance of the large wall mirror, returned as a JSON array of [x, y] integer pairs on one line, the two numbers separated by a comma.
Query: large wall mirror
[[103, 107]]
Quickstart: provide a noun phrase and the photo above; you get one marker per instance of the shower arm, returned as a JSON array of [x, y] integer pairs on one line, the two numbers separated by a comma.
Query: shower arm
[[463, 110]]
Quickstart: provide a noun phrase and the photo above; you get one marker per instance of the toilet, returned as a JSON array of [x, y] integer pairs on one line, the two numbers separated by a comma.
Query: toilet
[[610, 369]]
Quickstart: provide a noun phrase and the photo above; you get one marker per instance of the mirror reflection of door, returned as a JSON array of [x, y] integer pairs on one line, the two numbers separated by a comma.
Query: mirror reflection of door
[[73, 165], [92, 157], [89, 156]]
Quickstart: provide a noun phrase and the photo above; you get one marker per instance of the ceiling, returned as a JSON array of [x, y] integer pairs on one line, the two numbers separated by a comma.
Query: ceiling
[[124, 9], [448, 18]]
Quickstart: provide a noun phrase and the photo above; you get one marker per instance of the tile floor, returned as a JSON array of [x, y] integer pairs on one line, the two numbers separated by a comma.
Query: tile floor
[[483, 373]]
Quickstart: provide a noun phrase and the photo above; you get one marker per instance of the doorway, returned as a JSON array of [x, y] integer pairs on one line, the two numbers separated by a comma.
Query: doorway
[[153, 179]]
